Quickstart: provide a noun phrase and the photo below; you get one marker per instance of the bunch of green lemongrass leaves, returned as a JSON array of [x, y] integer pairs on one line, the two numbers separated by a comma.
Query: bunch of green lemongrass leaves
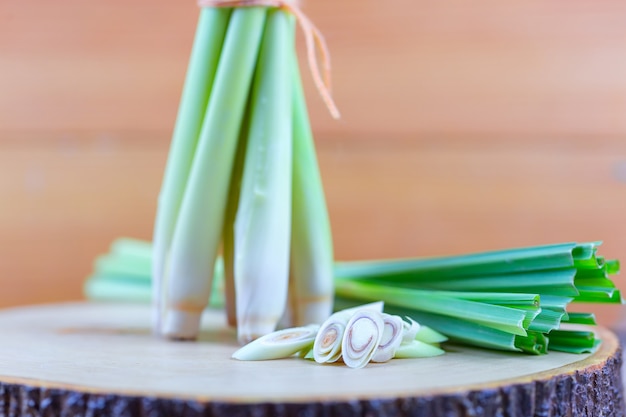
[[242, 178], [514, 300]]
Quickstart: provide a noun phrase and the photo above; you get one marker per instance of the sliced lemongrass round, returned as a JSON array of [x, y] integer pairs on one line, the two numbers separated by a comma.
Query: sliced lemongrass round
[[361, 338], [279, 344], [409, 330], [391, 339], [327, 346], [417, 349]]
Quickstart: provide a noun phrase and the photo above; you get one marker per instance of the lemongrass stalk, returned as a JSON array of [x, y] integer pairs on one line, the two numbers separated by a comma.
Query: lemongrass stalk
[[417, 349], [391, 338], [279, 344], [228, 237], [263, 219], [210, 33], [199, 226], [311, 241], [361, 338]]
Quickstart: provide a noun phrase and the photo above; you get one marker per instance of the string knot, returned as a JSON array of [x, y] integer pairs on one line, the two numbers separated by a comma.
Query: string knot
[[312, 36]]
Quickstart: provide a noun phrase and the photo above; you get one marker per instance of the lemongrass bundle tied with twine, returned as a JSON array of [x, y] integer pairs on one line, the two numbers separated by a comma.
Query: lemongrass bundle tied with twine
[[242, 177], [312, 36]]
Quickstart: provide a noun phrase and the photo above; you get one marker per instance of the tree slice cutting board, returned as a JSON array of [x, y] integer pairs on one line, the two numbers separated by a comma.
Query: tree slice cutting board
[[90, 359]]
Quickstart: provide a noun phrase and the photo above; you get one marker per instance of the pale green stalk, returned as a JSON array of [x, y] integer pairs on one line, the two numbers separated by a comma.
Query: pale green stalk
[[263, 220], [198, 230], [205, 54], [279, 344], [311, 245], [228, 233]]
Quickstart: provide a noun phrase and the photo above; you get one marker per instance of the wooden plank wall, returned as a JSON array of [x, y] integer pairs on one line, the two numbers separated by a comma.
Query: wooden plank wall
[[466, 126]]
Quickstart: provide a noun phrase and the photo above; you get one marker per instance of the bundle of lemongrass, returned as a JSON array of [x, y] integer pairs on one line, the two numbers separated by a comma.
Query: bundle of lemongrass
[[513, 300], [242, 175]]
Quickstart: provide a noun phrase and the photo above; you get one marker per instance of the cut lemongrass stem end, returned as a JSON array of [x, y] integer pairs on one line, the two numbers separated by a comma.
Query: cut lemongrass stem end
[[361, 338], [279, 344]]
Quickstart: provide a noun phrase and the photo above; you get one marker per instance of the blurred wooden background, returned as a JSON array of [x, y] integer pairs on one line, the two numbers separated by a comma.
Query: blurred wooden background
[[466, 126]]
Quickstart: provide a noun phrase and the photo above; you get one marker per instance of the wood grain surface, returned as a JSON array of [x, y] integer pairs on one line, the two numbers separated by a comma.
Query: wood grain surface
[[56, 366], [465, 128]]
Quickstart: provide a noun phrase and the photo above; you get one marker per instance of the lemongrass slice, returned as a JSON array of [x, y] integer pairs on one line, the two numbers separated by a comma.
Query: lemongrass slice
[[392, 337], [417, 349], [410, 330], [277, 345], [361, 338], [327, 347]]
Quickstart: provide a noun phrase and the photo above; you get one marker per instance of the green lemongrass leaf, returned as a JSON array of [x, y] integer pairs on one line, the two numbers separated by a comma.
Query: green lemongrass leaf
[[117, 289], [497, 298], [133, 248], [589, 273], [311, 240], [534, 343], [573, 341], [580, 318], [263, 219], [417, 349], [599, 295], [198, 231], [129, 267], [546, 320], [462, 331], [612, 266], [585, 251], [601, 283], [557, 282], [498, 317], [486, 263], [555, 302], [428, 335], [209, 37]]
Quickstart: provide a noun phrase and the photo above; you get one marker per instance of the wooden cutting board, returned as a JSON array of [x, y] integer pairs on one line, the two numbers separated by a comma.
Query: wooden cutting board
[[89, 359]]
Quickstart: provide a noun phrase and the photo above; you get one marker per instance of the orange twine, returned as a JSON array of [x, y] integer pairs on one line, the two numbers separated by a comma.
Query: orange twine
[[312, 36]]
